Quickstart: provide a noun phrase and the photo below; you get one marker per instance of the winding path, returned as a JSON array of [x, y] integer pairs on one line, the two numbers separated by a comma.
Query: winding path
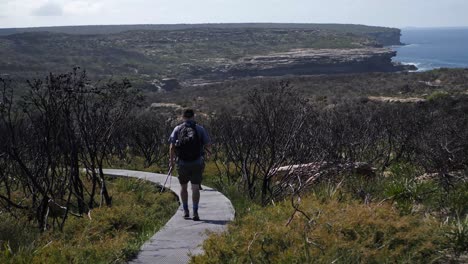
[[181, 237]]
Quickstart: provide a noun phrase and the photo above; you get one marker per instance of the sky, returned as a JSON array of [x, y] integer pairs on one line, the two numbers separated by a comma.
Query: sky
[[394, 13]]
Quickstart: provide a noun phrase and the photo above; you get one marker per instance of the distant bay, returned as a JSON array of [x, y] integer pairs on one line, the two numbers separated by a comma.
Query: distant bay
[[434, 48]]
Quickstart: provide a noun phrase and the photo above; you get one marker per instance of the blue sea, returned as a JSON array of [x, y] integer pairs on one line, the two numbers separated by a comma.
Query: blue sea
[[434, 48]]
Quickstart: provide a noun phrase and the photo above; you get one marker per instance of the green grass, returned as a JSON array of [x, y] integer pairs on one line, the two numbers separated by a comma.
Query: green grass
[[113, 235], [337, 232]]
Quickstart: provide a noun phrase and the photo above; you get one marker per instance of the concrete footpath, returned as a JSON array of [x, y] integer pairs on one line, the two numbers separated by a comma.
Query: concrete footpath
[[181, 237]]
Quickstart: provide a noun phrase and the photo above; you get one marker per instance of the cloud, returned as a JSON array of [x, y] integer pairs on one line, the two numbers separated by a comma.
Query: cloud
[[48, 9], [81, 7]]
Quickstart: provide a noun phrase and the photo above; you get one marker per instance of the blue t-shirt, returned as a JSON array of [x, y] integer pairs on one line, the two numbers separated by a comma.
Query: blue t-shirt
[[204, 138]]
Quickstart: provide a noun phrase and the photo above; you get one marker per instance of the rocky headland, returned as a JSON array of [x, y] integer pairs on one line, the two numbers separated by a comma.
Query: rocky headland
[[307, 62], [387, 38], [161, 57]]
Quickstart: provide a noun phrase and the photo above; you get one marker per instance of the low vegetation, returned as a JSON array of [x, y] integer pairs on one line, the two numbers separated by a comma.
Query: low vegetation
[[333, 231], [324, 89], [399, 219], [111, 235]]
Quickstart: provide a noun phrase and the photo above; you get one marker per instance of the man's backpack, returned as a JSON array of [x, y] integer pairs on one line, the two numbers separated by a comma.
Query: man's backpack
[[188, 145]]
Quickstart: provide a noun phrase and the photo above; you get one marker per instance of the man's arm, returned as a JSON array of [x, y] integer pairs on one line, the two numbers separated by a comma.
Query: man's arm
[[207, 151], [206, 141], [172, 155]]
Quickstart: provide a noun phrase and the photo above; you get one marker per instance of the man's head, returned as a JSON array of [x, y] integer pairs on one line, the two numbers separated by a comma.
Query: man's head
[[188, 114]]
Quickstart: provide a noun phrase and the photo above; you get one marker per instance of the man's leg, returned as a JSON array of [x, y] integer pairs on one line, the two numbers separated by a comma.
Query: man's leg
[[183, 180], [195, 200], [196, 182], [184, 197]]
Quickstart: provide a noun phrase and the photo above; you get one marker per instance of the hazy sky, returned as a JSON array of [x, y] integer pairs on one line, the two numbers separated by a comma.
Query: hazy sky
[[397, 13]]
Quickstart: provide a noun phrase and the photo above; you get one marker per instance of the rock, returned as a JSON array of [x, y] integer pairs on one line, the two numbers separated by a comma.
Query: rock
[[387, 38], [386, 99], [308, 62], [364, 169], [406, 67], [436, 83], [312, 173], [166, 105], [455, 176], [170, 84]]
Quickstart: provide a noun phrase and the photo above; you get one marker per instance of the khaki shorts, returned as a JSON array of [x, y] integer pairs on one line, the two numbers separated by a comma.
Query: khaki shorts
[[191, 172]]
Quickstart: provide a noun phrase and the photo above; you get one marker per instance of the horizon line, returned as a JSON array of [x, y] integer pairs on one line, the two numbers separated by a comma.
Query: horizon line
[[200, 23], [240, 23]]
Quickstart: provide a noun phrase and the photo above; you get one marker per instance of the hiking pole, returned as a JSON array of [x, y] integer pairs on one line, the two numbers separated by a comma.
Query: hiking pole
[[170, 179], [168, 175]]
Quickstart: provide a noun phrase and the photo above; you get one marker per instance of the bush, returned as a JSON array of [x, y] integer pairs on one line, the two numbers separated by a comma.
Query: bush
[[437, 95], [407, 192], [456, 201], [458, 236]]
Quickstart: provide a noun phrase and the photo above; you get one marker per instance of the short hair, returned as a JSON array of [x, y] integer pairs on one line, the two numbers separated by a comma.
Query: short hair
[[188, 113]]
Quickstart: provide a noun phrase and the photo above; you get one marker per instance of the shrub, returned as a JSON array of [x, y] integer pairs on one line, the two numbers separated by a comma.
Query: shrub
[[406, 191], [434, 96], [458, 236], [456, 201]]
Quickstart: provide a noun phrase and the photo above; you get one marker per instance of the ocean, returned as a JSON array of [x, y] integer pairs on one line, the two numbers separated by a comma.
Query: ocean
[[434, 48]]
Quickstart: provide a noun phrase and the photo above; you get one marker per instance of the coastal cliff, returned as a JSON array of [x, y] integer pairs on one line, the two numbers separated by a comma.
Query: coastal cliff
[[307, 62], [387, 38]]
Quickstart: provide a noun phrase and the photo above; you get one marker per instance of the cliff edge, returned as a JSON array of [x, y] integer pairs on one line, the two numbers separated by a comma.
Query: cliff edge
[[307, 62], [387, 38]]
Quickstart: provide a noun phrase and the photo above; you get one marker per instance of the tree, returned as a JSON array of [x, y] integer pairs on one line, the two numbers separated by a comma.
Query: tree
[[263, 139], [61, 124], [147, 134]]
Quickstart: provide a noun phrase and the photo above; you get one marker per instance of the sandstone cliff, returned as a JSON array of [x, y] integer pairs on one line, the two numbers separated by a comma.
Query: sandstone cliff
[[387, 38], [308, 62]]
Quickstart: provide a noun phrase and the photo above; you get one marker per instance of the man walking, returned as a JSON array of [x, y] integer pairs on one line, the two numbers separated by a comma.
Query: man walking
[[189, 142]]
